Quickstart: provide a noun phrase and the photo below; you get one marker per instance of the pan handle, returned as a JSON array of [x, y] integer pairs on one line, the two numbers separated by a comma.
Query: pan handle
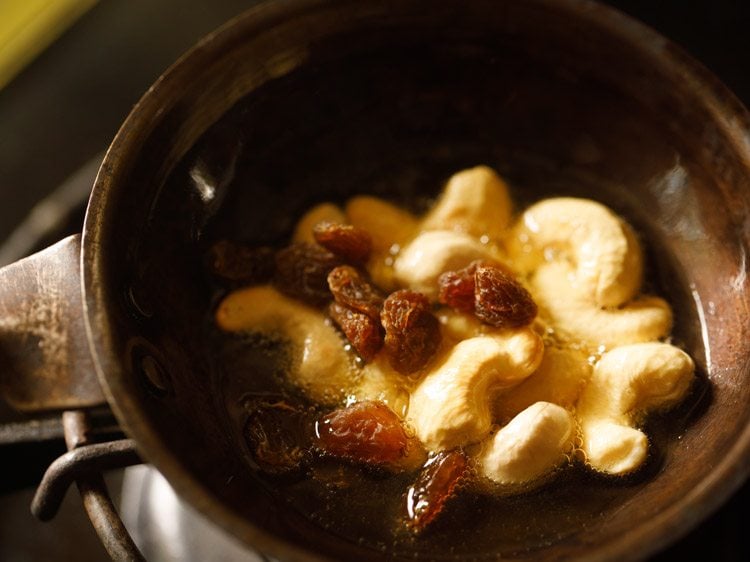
[[46, 362], [83, 464], [46, 365]]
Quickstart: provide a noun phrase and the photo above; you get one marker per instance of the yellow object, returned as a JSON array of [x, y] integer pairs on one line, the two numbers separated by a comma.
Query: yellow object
[[28, 26]]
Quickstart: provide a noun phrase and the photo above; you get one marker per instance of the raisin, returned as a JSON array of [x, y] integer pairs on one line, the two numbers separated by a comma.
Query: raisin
[[412, 333], [368, 432], [302, 272], [278, 436], [457, 288], [364, 333], [352, 290], [500, 300], [241, 264], [435, 484], [349, 242]]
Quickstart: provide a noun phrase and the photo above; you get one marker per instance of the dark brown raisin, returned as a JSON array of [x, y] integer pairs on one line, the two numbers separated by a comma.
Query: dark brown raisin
[[457, 288], [500, 300], [278, 436], [364, 333], [302, 272], [349, 242], [240, 263], [352, 290], [412, 333], [435, 484], [368, 432]]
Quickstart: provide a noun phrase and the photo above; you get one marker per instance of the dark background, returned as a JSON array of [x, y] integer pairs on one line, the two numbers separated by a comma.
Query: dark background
[[64, 108]]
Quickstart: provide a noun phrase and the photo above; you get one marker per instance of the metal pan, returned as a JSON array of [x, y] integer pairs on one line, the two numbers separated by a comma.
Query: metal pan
[[303, 101]]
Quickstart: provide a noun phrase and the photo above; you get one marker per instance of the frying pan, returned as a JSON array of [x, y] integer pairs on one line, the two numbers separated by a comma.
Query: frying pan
[[304, 101]]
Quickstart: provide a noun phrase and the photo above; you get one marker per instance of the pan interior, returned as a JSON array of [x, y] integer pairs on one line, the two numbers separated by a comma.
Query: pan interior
[[391, 104]]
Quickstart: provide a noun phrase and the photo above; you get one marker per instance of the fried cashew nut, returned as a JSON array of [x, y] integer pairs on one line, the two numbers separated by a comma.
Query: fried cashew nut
[[320, 365], [628, 383], [450, 406], [575, 317], [560, 378], [531, 445], [325, 212], [390, 228], [430, 254], [601, 247], [475, 201], [381, 382], [387, 224]]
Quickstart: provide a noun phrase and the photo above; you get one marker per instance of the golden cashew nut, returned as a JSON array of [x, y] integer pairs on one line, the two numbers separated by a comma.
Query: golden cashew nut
[[601, 247], [450, 405], [387, 224], [532, 444], [320, 366], [560, 378], [628, 383], [424, 259], [327, 212], [574, 317], [475, 201]]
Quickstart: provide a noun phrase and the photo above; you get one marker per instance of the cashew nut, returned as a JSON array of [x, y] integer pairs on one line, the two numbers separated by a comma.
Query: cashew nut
[[320, 366], [602, 248], [457, 326], [560, 378], [390, 228], [475, 201], [419, 264], [575, 317], [380, 382], [387, 224], [627, 383], [451, 405], [531, 445], [329, 212]]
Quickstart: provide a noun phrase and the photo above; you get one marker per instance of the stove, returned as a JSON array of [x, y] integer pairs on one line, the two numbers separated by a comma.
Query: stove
[[59, 114]]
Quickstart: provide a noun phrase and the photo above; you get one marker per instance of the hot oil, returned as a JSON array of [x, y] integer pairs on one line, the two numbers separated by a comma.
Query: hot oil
[[366, 506]]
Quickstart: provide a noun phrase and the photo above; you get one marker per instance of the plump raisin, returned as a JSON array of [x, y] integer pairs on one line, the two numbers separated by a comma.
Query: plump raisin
[[352, 290], [278, 436], [302, 272], [346, 241], [364, 333], [241, 264], [368, 432], [435, 484], [457, 288], [412, 333], [500, 300]]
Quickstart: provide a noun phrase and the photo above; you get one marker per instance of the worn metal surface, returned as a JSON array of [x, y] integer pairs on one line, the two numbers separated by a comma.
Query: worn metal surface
[[45, 359], [84, 464], [77, 464], [95, 495]]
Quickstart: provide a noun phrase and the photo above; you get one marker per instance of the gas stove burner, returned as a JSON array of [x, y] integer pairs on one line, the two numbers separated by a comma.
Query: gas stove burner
[[167, 530]]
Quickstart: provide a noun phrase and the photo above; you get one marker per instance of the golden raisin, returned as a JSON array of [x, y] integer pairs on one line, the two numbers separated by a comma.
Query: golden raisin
[[435, 484], [412, 333], [500, 300], [346, 241], [364, 333], [367, 431]]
